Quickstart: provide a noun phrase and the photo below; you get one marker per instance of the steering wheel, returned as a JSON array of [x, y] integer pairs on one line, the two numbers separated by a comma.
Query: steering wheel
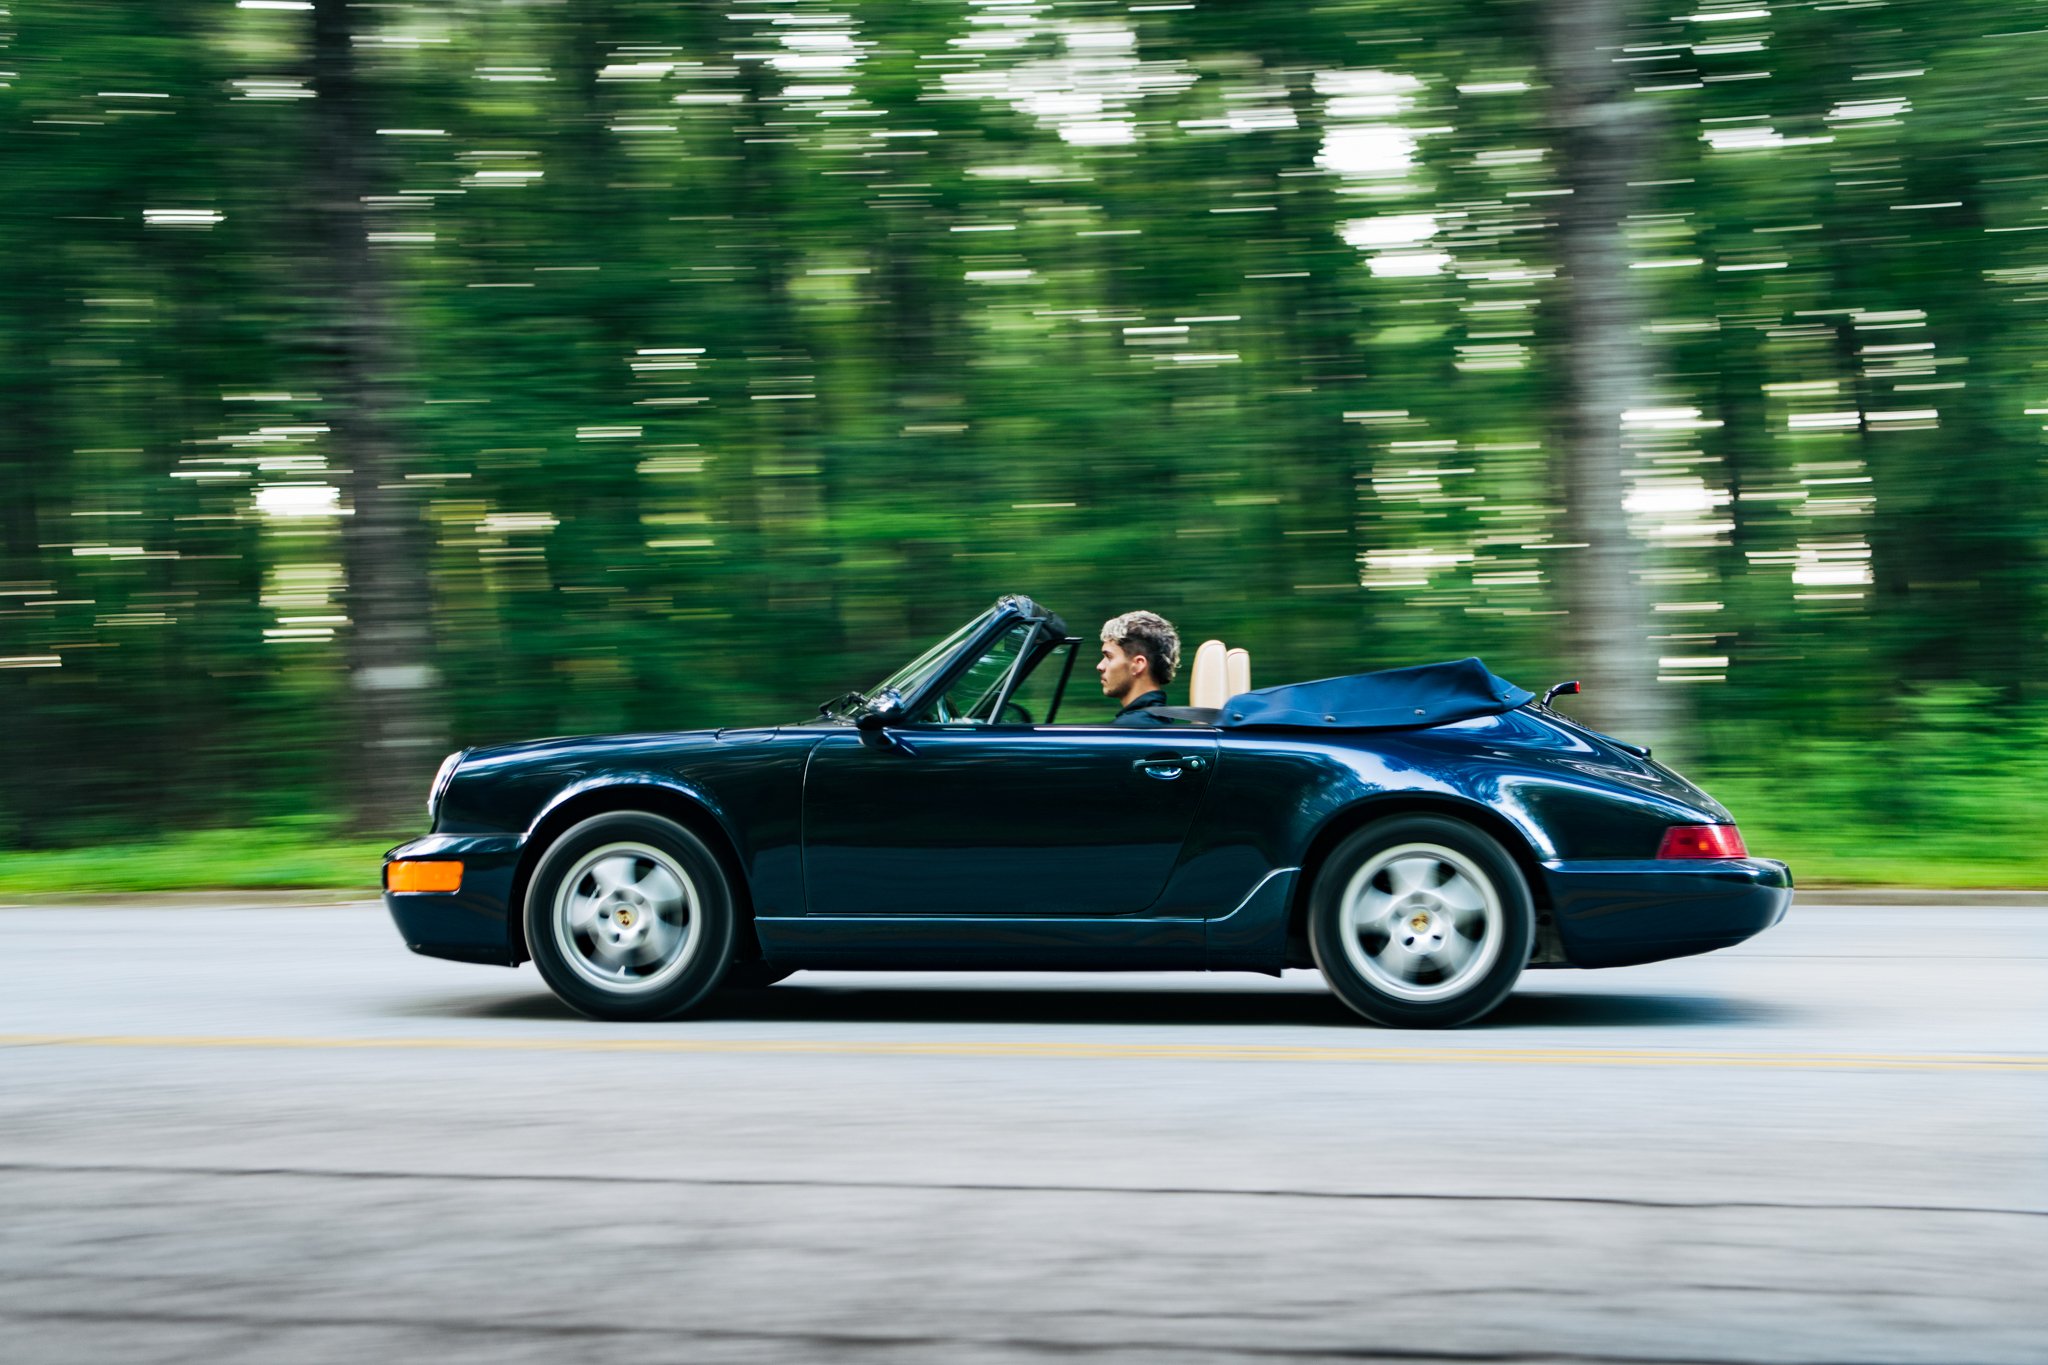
[[1020, 713]]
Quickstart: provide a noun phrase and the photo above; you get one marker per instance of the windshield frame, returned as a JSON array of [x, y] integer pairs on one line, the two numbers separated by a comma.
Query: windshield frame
[[936, 668]]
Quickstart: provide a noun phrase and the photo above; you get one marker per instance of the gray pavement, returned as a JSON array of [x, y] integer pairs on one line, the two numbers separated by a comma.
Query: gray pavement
[[272, 1134]]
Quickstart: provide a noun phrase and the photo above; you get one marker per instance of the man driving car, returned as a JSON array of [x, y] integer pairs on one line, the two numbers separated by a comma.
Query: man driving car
[[1140, 653]]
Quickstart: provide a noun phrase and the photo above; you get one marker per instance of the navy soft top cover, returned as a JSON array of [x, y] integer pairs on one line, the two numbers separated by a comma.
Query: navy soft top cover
[[1395, 698]]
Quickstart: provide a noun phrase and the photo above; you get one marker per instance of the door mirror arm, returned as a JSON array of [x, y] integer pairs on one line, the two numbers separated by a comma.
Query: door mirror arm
[[885, 711]]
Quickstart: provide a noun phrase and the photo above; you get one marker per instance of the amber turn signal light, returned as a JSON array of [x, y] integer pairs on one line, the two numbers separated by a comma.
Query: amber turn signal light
[[1702, 841], [411, 876]]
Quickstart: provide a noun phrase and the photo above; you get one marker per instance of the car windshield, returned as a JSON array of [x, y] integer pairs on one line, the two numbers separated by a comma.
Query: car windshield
[[912, 677]]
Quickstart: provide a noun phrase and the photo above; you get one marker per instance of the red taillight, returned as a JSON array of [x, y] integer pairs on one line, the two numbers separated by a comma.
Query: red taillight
[[1702, 841]]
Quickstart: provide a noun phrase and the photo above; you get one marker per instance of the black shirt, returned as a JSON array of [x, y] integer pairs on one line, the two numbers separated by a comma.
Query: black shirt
[[1139, 712]]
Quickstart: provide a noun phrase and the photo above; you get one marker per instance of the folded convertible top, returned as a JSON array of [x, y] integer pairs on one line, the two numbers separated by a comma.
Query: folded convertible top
[[1392, 699]]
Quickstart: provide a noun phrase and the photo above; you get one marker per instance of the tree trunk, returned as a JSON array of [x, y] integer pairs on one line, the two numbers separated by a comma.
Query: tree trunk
[[1602, 139], [391, 672]]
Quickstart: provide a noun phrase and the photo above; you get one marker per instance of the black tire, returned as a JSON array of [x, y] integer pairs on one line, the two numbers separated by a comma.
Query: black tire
[[752, 976], [630, 916], [1421, 921]]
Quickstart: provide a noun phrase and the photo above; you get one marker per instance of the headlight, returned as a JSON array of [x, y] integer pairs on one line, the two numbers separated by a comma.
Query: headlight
[[442, 777]]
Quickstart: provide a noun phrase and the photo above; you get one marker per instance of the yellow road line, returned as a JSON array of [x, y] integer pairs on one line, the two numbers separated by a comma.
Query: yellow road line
[[1174, 1052]]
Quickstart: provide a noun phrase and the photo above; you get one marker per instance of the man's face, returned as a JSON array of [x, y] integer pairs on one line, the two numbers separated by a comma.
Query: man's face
[[1121, 674]]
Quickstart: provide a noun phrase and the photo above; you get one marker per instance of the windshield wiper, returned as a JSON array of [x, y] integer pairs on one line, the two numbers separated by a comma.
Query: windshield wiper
[[845, 704]]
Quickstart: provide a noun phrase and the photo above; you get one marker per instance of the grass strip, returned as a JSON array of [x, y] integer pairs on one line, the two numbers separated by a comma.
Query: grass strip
[[283, 856]]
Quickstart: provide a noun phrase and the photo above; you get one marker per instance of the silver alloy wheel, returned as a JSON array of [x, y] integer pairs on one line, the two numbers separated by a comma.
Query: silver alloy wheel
[[1421, 922], [625, 918]]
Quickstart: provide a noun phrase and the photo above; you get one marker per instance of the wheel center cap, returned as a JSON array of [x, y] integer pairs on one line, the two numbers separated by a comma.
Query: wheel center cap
[[1419, 921], [625, 918]]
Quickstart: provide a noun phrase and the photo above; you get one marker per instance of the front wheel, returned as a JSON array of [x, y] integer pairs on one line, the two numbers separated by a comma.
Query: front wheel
[[629, 916], [1421, 921]]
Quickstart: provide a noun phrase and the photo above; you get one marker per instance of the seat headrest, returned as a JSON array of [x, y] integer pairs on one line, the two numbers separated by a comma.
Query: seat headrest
[[1208, 678], [1237, 671]]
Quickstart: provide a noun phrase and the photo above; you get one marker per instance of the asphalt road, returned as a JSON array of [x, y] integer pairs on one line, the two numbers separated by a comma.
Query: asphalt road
[[261, 1136]]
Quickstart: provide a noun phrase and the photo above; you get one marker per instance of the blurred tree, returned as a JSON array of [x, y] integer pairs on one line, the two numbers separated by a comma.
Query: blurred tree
[[1604, 137], [391, 648]]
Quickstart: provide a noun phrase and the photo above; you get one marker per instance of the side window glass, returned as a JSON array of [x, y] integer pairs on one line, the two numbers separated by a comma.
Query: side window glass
[[1031, 703]]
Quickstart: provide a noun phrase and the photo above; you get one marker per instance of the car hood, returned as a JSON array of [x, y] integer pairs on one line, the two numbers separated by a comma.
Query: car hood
[[574, 749]]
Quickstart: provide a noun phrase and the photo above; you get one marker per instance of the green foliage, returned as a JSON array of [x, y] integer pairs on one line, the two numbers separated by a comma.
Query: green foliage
[[278, 855], [743, 357], [1946, 798]]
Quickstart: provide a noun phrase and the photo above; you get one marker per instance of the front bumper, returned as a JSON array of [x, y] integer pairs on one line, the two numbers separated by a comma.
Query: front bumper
[[473, 924], [1615, 914]]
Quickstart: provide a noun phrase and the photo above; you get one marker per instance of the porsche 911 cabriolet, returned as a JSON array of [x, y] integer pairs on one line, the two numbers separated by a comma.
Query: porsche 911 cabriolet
[[1420, 834]]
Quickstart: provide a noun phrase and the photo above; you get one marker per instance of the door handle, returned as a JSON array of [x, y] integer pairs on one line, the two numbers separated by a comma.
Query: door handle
[[1167, 769]]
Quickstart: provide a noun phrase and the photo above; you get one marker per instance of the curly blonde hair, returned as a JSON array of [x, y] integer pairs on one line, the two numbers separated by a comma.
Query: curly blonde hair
[[1149, 634]]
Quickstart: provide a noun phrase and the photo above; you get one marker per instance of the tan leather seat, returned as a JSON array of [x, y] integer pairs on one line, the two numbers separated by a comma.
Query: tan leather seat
[[1218, 674], [1208, 682]]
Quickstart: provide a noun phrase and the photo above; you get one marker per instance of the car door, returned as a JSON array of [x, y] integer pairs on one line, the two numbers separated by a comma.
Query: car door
[[1000, 820]]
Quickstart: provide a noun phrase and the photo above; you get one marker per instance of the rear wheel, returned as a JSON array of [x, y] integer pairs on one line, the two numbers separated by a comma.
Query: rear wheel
[[1421, 922], [629, 916]]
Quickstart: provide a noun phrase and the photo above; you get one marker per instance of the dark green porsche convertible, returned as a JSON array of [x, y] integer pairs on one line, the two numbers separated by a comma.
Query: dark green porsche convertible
[[1422, 835]]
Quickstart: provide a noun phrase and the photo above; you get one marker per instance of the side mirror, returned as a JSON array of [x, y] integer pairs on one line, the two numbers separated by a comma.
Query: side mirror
[[884, 710]]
